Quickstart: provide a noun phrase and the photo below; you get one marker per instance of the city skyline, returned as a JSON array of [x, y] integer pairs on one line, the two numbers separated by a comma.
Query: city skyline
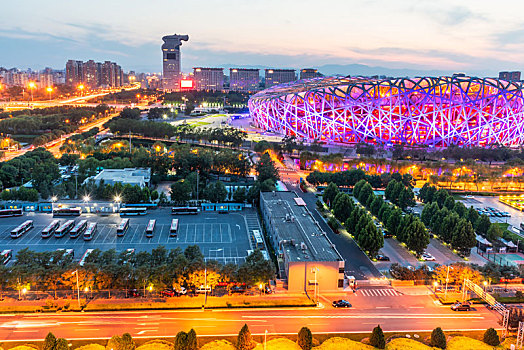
[[477, 39]]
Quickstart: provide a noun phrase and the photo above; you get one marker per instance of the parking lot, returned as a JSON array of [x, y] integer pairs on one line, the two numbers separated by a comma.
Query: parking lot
[[482, 202], [223, 237]]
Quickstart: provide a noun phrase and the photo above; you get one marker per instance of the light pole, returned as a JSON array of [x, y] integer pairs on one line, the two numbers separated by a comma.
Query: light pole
[[77, 286], [117, 200], [265, 339], [447, 280], [315, 270], [49, 91], [32, 85]]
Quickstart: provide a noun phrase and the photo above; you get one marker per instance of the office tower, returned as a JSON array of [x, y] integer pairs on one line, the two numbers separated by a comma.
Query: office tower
[[209, 79], [74, 72], [243, 80], [279, 76], [308, 73], [510, 76], [171, 61]]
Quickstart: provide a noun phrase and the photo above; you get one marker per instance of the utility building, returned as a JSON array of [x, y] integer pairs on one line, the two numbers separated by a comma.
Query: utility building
[[306, 256]]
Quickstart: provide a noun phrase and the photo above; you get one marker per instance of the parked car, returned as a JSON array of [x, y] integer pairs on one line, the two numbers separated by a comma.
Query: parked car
[[382, 257], [237, 289], [428, 257], [168, 293], [268, 290], [387, 234], [464, 306], [133, 293], [341, 303]]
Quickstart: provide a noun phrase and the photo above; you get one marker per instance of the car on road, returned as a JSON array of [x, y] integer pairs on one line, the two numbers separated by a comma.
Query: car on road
[[341, 303], [464, 306], [428, 257], [382, 257], [387, 234], [133, 293], [168, 293]]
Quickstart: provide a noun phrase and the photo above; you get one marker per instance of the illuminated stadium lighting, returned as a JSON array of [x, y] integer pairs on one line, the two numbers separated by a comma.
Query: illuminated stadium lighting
[[431, 111]]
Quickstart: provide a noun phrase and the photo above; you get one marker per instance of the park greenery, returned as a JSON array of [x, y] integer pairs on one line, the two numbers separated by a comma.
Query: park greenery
[[452, 221], [305, 340], [40, 126], [109, 270], [349, 178]]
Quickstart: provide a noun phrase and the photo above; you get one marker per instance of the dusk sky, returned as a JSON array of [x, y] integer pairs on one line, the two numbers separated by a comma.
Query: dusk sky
[[478, 37]]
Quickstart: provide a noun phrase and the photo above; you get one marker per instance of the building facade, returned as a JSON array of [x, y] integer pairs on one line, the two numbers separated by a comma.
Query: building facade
[[510, 76], [208, 79], [171, 61], [244, 79], [279, 76], [306, 256], [308, 73], [133, 176], [94, 74]]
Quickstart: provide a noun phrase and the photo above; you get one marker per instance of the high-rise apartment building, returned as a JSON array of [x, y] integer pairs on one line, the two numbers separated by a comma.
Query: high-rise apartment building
[[308, 73], [171, 61], [279, 76], [243, 79], [208, 79], [74, 72], [91, 74], [510, 76]]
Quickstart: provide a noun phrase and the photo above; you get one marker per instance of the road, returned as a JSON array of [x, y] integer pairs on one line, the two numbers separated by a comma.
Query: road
[[54, 146], [409, 313]]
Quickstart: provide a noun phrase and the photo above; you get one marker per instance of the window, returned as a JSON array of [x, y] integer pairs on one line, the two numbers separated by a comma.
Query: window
[[171, 56], [340, 270], [341, 283]]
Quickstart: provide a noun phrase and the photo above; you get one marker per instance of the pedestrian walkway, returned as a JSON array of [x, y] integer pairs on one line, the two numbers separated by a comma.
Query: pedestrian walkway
[[377, 292], [252, 224]]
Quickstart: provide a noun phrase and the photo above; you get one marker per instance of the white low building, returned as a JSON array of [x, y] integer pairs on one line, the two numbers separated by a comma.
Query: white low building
[[133, 176]]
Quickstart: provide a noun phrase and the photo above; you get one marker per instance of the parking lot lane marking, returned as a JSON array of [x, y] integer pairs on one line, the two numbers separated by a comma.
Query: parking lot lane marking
[[194, 235], [160, 232], [134, 232], [229, 234]]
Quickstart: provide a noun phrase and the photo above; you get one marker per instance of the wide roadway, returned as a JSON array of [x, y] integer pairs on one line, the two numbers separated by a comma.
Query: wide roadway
[[406, 313]]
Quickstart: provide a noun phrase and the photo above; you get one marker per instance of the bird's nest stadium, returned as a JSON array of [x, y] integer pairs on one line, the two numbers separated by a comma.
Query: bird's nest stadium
[[438, 112]]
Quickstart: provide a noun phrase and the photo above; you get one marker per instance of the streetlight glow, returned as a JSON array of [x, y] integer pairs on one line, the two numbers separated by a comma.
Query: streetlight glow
[[117, 198], [87, 198]]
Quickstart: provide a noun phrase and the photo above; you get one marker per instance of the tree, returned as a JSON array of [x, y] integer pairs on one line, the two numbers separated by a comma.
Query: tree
[[376, 204], [266, 169], [441, 196], [49, 342], [491, 337], [377, 338], [482, 224], [240, 195], [305, 339], [438, 338], [371, 240], [494, 232], [180, 191], [343, 207], [61, 344], [121, 343], [365, 192], [393, 221], [154, 195], [330, 192], [449, 203], [417, 237], [406, 198], [244, 340], [256, 269], [192, 342], [472, 215], [128, 342], [358, 186], [181, 341], [464, 237], [428, 212]]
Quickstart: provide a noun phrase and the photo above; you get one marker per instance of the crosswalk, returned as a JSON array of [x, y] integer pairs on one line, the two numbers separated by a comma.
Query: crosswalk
[[378, 292]]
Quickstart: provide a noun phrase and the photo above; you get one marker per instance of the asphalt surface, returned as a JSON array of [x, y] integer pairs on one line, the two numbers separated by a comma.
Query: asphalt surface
[[222, 237], [392, 312], [357, 263]]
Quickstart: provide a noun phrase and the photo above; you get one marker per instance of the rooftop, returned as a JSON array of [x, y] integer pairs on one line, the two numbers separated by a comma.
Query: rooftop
[[299, 234], [127, 175]]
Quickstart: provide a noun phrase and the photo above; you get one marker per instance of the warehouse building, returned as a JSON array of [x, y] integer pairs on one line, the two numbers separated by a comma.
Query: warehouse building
[[306, 256]]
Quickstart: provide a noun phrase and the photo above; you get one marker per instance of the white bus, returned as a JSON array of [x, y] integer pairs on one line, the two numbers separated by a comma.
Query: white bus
[[84, 257], [122, 227], [21, 229], [259, 241], [64, 228], [90, 231], [79, 228], [50, 229], [6, 256], [150, 228], [174, 228]]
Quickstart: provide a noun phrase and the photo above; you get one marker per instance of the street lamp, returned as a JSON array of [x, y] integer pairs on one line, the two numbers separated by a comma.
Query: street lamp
[[32, 85], [265, 339], [260, 286], [77, 286], [435, 285], [81, 87], [485, 283], [117, 201], [447, 280], [49, 90]]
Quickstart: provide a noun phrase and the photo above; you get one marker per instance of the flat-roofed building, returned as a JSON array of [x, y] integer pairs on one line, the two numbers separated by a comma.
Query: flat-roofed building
[[510, 76], [308, 73], [279, 76], [133, 176], [306, 256], [208, 79], [244, 79]]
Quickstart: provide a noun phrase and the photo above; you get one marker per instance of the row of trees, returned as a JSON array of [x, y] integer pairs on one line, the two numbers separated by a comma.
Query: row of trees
[[407, 228], [162, 268], [127, 193], [400, 194], [451, 221], [349, 178]]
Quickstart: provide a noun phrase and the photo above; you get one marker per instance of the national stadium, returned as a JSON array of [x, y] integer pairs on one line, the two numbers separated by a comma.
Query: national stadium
[[431, 111]]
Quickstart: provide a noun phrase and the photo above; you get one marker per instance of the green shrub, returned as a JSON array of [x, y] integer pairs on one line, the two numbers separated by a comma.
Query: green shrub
[[491, 337], [305, 339], [438, 338], [377, 338]]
